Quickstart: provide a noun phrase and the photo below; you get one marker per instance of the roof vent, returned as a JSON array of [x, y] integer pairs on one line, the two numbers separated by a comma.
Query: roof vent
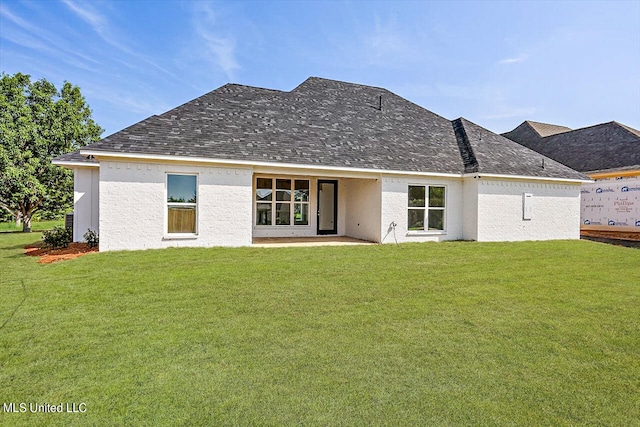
[[378, 106]]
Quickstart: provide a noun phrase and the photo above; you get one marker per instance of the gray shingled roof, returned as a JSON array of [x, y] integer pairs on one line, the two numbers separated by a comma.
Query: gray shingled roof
[[76, 157], [324, 122], [498, 155], [607, 146]]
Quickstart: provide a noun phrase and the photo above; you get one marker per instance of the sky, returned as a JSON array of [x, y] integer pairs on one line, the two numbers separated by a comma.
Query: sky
[[497, 64]]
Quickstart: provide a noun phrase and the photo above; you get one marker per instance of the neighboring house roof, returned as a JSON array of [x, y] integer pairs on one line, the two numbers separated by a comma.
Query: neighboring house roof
[[622, 170], [531, 134], [546, 129], [326, 123], [607, 146], [498, 155]]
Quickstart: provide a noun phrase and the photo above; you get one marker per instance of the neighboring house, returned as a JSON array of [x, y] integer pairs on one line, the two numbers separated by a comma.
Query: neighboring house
[[327, 158], [609, 153]]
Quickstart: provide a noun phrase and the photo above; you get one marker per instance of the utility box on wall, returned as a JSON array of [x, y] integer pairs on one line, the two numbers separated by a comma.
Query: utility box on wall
[[527, 206]]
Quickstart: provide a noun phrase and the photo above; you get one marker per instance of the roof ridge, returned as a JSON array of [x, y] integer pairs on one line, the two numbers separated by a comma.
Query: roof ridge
[[546, 129], [323, 79], [528, 123], [612, 122], [240, 85], [466, 150], [628, 128]]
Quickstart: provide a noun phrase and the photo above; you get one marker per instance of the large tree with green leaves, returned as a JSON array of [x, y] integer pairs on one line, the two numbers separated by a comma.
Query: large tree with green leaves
[[37, 123]]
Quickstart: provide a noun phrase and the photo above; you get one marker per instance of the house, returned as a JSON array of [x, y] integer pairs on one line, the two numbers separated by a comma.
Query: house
[[326, 158], [609, 153]]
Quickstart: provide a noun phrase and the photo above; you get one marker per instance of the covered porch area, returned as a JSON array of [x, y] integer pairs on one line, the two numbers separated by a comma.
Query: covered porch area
[[311, 210]]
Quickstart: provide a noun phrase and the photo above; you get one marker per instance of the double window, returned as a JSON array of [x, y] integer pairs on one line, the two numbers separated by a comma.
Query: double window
[[282, 201], [182, 203], [426, 208]]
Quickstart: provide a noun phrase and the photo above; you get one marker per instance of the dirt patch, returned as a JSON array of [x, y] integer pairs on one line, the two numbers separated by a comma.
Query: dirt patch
[[47, 256], [619, 235], [628, 239]]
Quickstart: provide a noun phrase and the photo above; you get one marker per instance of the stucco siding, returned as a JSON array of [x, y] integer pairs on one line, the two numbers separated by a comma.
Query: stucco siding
[[85, 201], [555, 210], [363, 208], [470, 209], [133, 206], [126, 203], [394, 204]]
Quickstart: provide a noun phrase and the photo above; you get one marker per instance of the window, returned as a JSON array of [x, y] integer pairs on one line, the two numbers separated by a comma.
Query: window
[[426, 208], [290, 206], [181, 203], [301, 202]]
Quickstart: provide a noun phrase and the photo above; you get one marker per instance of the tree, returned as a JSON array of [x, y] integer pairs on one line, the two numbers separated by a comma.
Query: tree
[[39, 122]]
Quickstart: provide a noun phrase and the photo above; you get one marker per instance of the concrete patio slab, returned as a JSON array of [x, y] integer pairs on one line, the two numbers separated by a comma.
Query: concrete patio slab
[[275, 242]]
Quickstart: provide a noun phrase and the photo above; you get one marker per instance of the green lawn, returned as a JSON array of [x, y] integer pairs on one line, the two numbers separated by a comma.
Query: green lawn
[[35, 226], [534, 333]]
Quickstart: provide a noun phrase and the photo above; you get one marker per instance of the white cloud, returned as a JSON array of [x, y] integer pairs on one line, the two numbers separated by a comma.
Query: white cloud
[[97, 21], [525, 112], [124, 100], [28, 42], [220, 49], [520, 58], [384, 40], [461, 91], [387, 44], [33, 37], [497, 103], [100, 24], [4, 11], [25, 40]]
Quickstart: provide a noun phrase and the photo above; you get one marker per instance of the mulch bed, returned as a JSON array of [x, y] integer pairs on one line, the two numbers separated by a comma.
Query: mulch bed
[[47, 256], [75, 250]]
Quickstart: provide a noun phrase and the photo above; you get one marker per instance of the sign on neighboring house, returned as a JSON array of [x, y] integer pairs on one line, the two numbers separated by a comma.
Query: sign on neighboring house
[[612, 204]]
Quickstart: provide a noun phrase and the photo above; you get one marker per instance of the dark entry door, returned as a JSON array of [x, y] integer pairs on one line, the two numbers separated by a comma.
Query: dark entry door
[[327, 207]]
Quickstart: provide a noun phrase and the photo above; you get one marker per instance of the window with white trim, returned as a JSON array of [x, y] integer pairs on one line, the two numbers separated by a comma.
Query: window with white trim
[[182, 204], [282, 201], [426, 210]]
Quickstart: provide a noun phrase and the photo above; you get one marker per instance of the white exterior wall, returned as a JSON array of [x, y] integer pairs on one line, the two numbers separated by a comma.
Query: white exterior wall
[[470, 209], [131, 210], [612, 204], [556, 210], [394, 204], [86, 213], [133, 206], [363, 198]]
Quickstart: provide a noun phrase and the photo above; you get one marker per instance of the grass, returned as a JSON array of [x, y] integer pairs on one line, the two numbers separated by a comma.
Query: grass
[[35, 226], [533, 333]]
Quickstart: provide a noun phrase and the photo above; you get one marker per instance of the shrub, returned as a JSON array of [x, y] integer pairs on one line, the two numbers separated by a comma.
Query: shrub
[[92, 238], [58, 237]]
